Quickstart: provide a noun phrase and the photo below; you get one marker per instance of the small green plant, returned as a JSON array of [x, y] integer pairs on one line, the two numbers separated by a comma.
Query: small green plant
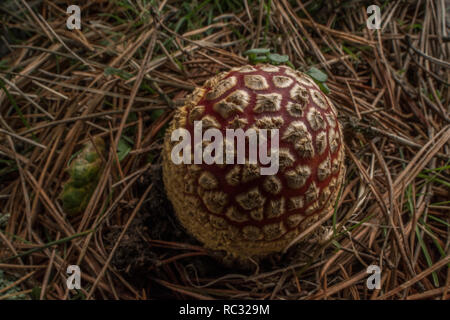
[[319, 77], [263, 55], [84, 173]]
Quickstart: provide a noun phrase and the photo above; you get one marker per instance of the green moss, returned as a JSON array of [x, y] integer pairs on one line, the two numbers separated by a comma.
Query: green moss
[[5, 282], [84, 171]]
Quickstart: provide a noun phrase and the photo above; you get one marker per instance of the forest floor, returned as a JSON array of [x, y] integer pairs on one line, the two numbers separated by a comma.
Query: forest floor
[[120, 78]]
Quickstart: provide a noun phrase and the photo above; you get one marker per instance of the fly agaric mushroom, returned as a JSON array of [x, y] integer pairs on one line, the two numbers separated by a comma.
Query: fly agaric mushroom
[[233, 207]]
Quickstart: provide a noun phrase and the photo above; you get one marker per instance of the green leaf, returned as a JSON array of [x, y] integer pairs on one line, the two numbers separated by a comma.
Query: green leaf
[[290, 64], [276, 58], [316, 74], [323, 86], [258, 59], [123, 149], [438, 220], [256, 51]]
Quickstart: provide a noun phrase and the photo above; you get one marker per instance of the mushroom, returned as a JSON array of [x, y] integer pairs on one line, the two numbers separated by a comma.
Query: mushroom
[[233, 207]]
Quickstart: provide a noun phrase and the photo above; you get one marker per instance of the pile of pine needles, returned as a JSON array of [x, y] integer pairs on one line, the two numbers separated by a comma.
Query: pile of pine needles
[[133, 62]]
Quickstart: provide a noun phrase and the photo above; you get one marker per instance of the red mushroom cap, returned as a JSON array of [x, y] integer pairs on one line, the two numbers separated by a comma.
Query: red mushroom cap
[[232, 206]]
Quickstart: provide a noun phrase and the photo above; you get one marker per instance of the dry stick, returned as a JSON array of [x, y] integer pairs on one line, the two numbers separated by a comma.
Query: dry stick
[[34, 143], [403, 140], [162, 94], [48, 203], [178, 257], [115, 156], [387, 77], [413, 168], [214, 60], [10, 247], [431, 73], [201, 30], [420, 53], [427, 294], [387, 212], [12, 85], [26, 197], [389, 13], [417, 278], [259, 26], [330, 261], [90, 90], [101, 184], [15, 294], [137, 83], [65, 55], [65, 46], [358, 113], [41, 180], [423, 209], [205, 44], [17, 266], [132, 175], [279, 285], [160, 61], [339, 34], [311, 41], [181, 289], [298, 36], [424, 155], [99, 220], [119, 239], [447, 282], [50, 90], [353, 289], [247, 10], [12, 285], [37, 62], [344, 284], [48, 271], [5, 151], [401, 237], [131, 49], [36, 19], [161, 45]]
